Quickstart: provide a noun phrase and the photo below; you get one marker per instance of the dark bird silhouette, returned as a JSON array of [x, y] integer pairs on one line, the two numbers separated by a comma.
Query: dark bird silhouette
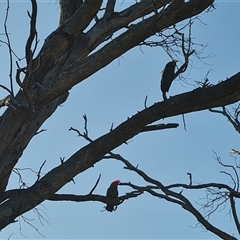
[[167, 77], [112, 195]]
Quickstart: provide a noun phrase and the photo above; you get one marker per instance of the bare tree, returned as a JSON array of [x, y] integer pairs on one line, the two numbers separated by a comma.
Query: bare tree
[[86, 40]]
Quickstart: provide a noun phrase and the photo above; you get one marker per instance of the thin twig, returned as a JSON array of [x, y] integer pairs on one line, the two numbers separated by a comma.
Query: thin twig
[[9, 48], [39, 171], [184, 122], [145, 101], [190, 178], [95, 184]]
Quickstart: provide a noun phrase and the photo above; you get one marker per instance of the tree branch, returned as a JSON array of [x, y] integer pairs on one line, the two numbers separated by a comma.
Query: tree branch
[[58, 40], [234, 212], [95, 184], [175, 198], [110, 7], [32, 35], [197, 100], [82, 68], [92, 197], [232, 119], [9, 48], [159, 127]]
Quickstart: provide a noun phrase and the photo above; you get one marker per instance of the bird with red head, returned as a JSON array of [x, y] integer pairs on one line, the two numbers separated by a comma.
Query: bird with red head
[[112, 195]]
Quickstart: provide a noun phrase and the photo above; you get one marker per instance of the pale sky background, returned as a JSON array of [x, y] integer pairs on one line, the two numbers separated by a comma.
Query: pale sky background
[[111, 95]]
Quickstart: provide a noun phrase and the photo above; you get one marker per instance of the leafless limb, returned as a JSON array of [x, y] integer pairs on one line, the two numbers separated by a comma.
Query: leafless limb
[[215, 199], [230, 175], [85, 133], [184, 122], [232, 118], [85, 125], [9, 48], [205, 83], [22, 184], [12, 51], [75, 130], [159, 127], [190, 178], [10, 236], [180, 44], [26, 220], [20, 192], [236, 183], [24, 87], [33, 34], [110, 7], [20, 227], [95, 184], [42, 130], [5, 88], [29, 53], [93, 197], [39, 171], [145, 129], [186, 51], [111, 128], [41, 218], [178, 198], [62, 160], [145, 101], [234, 212]]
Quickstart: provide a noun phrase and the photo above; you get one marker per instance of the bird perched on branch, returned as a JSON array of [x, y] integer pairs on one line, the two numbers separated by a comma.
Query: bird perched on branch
[[167, 77], [112, 195]]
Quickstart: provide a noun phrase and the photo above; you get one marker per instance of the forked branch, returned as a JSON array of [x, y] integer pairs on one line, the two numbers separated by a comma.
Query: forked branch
[[167, 193]]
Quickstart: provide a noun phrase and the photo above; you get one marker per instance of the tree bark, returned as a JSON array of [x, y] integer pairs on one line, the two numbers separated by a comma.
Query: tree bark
[[202, 98], [65, 60]]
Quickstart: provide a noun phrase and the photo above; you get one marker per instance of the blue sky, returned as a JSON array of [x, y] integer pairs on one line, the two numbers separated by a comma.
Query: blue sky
[[111, 95]]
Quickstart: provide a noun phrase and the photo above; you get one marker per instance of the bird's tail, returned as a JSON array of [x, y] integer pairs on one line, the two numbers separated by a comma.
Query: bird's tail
[[110, 208]]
